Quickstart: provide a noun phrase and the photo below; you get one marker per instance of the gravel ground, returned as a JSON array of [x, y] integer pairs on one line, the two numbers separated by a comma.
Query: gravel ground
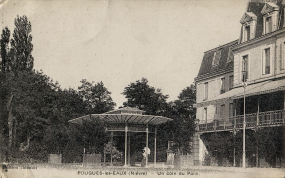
[[201, 172]]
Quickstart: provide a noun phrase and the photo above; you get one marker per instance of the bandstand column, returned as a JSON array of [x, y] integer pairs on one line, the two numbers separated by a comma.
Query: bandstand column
[[234, 132], [126, 143], [129, 150], [112, 134], [155, 132], [257, 124], [146, 159]]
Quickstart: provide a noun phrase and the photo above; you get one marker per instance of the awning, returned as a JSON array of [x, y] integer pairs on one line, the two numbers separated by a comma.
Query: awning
[[250, 90], [123, 118]]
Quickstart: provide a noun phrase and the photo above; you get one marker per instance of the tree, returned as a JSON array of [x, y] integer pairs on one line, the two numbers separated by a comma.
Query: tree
[[96, 97], [185, 102], [56, 138], [219, 145], [139, 94], [21, 45], [4, 44], [5, 39], [16, 59], [63, 106], [25, 119], [92, 136], [181, 130]]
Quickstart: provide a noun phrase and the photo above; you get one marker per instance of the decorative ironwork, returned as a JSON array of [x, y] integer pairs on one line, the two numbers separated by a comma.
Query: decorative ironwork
[[265, 119]]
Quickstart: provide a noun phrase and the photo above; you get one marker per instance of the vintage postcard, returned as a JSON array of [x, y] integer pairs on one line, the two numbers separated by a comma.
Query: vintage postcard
[[142, 88]]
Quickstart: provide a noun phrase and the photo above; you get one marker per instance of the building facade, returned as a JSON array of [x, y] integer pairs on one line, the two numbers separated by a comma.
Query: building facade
[[247, 73]]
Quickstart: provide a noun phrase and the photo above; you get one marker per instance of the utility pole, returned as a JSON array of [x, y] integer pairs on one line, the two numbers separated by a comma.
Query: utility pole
[[244, 123]]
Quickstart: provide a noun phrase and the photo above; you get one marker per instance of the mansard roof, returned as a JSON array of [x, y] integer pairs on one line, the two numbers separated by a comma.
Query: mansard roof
[[256, 8], [261, 8], [225, 61]]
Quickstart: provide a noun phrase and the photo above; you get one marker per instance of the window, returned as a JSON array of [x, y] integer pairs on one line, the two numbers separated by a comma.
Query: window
[[270, 13], [216, 58], [244, 68], [248, 21], [205, 114], [222, 85], [247, 33], [268, 25], [266, 61], [206, 91], [231, 110], [231, 82], [222, 112]]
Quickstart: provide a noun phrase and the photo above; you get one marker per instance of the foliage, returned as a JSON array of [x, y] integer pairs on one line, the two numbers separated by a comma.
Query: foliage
[[4, 42], [65, 105], [35, 110], [181, 130], [184, 105], [151, 100], [270, 143], [15, 60], [139, 94], [116, 153], [56, 138], [21, 46], [219, 145], [27, 92], [96, 97], [91, 135]]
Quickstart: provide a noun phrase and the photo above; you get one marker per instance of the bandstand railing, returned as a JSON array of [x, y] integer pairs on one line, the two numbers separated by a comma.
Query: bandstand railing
[[261, 119]]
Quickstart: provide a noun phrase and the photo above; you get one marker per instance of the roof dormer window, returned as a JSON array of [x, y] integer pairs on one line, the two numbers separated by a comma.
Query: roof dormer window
[[216, 58], [247, 33], [268, 25], [270, 13], [248, 22], [230, 56]]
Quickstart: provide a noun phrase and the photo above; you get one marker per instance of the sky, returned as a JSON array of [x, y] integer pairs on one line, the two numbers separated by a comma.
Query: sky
[[121, 41]]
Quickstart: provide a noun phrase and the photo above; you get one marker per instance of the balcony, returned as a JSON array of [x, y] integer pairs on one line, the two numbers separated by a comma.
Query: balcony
[[262, 119]]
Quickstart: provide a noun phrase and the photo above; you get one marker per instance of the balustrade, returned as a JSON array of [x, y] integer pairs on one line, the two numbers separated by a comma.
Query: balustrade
[[262, 119]]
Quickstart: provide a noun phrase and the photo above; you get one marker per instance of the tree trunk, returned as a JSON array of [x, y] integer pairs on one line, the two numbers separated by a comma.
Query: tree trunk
[[28, 140], [14, 133], [1, 133], [10, 126]]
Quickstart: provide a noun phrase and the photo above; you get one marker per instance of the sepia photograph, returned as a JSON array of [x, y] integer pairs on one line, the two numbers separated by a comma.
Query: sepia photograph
[[142, 88]]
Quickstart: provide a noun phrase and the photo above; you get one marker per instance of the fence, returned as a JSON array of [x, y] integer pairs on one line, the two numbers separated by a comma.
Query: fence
[[262, 119]]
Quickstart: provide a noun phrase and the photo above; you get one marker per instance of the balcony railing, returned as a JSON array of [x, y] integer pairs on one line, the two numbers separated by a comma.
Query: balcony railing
[[262, 119]]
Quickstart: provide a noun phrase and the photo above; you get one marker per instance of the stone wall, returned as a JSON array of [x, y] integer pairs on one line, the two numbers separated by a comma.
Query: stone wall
[[183, 161], [92, 159], [55, 158]]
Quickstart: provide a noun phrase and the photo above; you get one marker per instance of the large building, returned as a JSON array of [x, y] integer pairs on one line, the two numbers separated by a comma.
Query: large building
[[251, 68]]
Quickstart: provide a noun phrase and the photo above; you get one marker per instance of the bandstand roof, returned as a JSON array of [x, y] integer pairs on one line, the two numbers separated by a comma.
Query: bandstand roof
[[123, 115]]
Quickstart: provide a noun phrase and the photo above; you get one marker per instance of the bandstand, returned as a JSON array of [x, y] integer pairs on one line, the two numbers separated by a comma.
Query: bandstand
[[127, 120]]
